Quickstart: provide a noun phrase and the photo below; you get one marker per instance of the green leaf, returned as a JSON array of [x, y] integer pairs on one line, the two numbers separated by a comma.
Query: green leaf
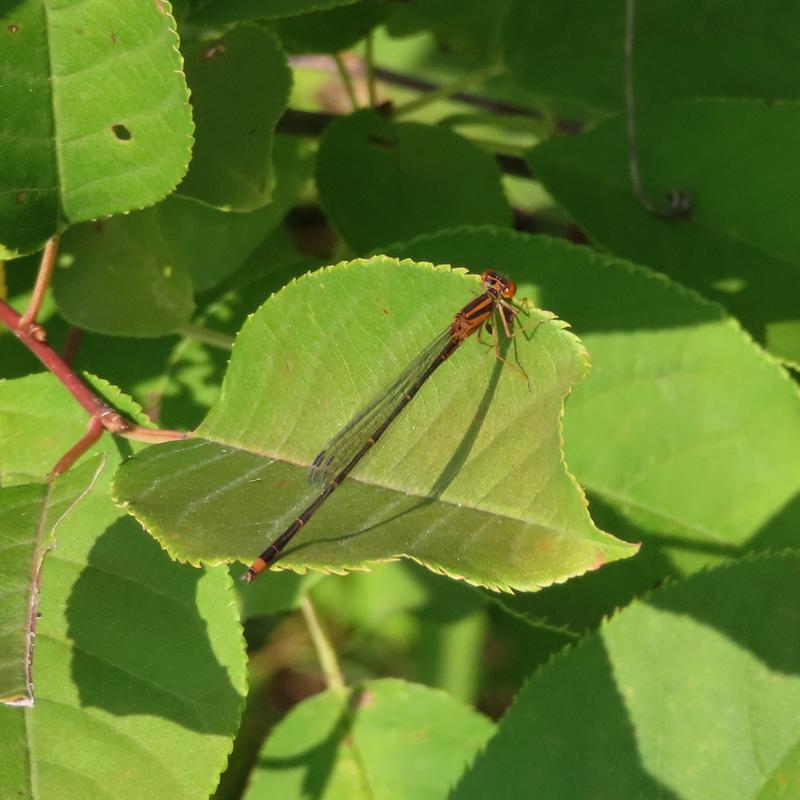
[[387, 739], [240, 86], [29, 515], [162, 255], [224, 11], [684, 429], [427, 177], [453, 484], [741, 246], [110, 280], [691, 694], [330, 31], [470, 26], [196, 368], [139, 665], [725, 50], [98, 90]]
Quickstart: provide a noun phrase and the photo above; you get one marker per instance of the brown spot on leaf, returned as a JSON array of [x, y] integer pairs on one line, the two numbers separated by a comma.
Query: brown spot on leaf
[[99, 225], [113, 38], [13, 28], [21, 197], [599, 560], [366, 698]]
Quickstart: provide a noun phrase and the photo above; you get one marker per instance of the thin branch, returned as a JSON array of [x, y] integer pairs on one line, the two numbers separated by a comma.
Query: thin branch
[[46, 267], [369, 58], [349, 86], [679, 202], [207, 336], [448, 90], [95, 406], [325, 652], [93, 433]]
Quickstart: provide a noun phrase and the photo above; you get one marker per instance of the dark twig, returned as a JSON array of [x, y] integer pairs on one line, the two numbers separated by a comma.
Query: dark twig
[[679, 202]]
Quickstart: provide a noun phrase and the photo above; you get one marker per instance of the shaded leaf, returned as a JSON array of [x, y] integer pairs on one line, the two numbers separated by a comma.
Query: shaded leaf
[[664, 699], [739, 161], [386, 739], [452, 484], [470, 26], [164, 254], [683, 434], [427, 176], [240, 86], [683, 49], [98, 92], [111, 281], [224, 11], [139, 665], [332, 30]]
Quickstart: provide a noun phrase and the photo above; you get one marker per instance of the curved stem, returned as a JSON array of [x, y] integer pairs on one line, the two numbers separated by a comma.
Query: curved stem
[[325, 652], [369, 58], [679, 202], [46, 267], [344, 74]]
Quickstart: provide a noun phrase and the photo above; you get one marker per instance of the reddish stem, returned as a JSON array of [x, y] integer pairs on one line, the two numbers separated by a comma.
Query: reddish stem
[[48, 262], [100, 413]]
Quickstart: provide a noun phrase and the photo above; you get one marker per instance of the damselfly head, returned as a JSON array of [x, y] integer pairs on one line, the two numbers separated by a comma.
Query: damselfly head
[[498, 284]]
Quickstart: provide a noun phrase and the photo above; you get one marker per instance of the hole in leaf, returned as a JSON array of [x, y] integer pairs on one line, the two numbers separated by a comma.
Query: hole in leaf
[[122, 133]]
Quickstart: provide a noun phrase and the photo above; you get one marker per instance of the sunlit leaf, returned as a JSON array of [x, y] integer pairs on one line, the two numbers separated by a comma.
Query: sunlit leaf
[[469, 480], [692, 694], [385, 739], [95, 119]]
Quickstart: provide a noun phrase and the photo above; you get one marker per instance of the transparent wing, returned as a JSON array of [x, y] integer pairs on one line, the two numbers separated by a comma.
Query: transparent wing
[[340, 450]]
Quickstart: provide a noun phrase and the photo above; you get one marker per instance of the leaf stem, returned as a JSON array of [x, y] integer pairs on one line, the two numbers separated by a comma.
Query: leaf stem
[[101, 414], [347, 80], [43, 277], [448, 90], [679, 201], [207, 336], [325, 652], [369, 58]]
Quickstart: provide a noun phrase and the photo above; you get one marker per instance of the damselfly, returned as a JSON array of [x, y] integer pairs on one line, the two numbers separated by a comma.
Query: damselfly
[[342, 453]]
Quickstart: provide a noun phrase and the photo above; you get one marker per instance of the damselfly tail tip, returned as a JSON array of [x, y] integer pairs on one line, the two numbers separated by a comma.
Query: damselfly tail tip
[[254, 570]]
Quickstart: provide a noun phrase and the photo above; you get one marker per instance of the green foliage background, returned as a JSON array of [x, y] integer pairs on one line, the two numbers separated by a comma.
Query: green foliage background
[[265, 211]]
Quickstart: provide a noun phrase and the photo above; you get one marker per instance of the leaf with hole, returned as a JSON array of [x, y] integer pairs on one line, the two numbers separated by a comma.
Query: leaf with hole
[[96, 116], [240, 86]]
